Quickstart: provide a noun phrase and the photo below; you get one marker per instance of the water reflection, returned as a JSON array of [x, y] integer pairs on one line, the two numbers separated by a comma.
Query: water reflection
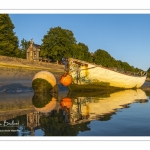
[[65, 116], [101, 108], [44, 103]]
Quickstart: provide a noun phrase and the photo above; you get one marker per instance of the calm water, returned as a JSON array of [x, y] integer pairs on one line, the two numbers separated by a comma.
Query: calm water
[[124, 113]]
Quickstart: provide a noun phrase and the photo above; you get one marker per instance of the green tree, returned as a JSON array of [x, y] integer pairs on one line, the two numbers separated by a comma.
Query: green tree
[[148, 70], [102, 57], [23, 47], [8, 40], [148, 73], [58, 43], [82, 52]]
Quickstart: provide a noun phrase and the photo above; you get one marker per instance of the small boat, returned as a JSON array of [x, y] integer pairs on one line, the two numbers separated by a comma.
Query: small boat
[[84, 73]]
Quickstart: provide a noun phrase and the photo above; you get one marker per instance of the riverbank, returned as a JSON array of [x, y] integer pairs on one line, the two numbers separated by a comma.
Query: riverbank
[[16, 74], [20, 80]]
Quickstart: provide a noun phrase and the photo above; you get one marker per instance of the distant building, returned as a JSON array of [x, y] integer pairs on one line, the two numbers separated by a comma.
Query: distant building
[[92, 54], [33, 122], [33, 51]]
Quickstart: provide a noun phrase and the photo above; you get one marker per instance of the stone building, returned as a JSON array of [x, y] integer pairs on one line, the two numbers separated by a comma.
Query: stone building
[[33, 51], [33, 121]]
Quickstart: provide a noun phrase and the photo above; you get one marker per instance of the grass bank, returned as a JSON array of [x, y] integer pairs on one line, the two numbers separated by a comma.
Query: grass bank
[[13, 70]]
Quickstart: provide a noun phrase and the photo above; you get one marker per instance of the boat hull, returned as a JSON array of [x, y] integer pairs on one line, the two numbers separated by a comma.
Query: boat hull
[[87, 73]]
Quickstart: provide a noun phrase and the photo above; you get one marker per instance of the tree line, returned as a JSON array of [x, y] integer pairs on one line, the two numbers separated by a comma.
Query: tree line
[[58, 43]]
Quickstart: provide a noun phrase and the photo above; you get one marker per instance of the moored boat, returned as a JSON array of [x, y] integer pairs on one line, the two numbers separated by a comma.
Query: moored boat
[[84, 73]]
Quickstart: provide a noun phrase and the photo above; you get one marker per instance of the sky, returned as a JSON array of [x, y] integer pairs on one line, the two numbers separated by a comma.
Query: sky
[[125, 37]]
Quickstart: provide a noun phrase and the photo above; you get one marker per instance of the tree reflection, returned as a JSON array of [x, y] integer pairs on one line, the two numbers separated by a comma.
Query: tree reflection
[[106, 117], [55, 125]]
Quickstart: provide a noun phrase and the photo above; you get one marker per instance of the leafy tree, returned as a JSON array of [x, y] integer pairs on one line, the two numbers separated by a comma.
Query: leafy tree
[[148, 73], [127, 67], [23, 46], [102, 57], [82, 52], [8, 40], [58, 43]]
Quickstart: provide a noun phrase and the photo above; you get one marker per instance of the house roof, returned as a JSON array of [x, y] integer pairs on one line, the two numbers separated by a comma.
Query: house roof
[[36, 45]]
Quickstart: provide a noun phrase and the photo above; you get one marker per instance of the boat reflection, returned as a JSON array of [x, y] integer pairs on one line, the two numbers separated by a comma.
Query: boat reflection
[[101, 108], [67, 115]]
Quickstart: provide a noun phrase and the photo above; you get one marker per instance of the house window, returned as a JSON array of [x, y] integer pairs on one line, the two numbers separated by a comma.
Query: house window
[[34, 54]]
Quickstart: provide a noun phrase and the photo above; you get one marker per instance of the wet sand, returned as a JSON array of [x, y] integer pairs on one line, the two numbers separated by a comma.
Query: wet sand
[[19, 85]]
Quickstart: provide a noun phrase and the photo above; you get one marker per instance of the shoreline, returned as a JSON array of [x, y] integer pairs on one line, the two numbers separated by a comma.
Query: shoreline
[[17, 78], [19, 84]]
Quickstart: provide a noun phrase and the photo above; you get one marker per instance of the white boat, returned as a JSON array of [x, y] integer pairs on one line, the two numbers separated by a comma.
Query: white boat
[[87, 73]]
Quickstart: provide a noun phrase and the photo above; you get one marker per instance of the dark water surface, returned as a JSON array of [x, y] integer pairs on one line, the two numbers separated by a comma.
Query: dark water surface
[[124, 113]]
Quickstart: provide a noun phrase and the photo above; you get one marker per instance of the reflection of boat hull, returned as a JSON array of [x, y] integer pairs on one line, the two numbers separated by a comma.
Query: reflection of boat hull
[[86, 73], [93, 108]]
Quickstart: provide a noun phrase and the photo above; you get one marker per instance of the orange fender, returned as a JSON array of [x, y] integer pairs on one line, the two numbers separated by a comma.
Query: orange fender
[[66, 102], [65, 79]]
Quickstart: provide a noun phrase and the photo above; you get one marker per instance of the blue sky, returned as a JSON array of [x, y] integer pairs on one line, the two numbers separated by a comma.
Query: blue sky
[[125, 37]]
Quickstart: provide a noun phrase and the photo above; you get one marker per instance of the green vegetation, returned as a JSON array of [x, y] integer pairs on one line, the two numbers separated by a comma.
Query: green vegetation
[[102, 57], [147, 92], [82, 52], [58, 43], [41, 100], [106, 117], [101, 87], [101, 94], [23, 47], [148, 73], [41, 86], [9, 43], [55, 125], [29, 68], [8, 40]]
